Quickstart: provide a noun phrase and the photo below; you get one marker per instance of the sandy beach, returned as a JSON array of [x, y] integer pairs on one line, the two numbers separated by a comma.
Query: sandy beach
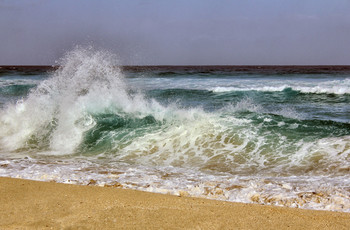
[[49, 205]]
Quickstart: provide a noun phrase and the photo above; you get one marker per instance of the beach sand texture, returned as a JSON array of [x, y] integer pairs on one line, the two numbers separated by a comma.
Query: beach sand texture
[[47, 205]]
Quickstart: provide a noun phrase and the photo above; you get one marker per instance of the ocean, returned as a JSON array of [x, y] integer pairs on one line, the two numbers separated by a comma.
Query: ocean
[[274, 135]]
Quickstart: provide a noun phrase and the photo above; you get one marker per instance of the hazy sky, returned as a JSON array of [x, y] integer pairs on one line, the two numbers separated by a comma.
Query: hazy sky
[[178, 32]]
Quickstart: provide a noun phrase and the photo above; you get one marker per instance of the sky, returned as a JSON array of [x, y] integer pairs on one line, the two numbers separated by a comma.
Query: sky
[[178, 32]]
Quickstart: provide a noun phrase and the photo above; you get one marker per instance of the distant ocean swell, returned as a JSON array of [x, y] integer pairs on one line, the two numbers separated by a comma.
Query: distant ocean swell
[[333, 87], [286, 143]]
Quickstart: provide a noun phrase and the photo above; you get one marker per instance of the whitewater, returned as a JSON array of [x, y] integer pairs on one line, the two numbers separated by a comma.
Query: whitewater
[[268, 137]]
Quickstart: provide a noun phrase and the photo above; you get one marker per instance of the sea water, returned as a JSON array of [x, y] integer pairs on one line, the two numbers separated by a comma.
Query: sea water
[[272, 136]]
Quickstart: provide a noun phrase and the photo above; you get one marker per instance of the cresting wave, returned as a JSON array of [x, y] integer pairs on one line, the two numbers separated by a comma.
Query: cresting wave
[[337, 87], [87, 123], [57, 113]]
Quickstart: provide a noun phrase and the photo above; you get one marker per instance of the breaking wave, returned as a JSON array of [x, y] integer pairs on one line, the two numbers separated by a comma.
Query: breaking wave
[[337, 87]]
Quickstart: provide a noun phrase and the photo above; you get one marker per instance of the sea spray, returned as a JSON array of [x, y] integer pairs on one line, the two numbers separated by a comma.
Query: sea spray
[[55, 114]]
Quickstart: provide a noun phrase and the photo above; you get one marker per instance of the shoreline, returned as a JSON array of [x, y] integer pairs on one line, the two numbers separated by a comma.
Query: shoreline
[[34, 204]]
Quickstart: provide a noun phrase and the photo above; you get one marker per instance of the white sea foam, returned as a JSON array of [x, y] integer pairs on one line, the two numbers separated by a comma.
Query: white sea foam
[[321, 87], [325, 155], [310, 192]]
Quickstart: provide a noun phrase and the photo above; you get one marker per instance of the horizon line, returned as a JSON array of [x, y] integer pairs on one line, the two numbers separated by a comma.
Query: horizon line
[[289, 65]]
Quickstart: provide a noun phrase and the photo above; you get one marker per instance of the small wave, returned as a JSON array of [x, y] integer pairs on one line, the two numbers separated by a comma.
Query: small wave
[[334, 87], [230, 89], [322, 90]]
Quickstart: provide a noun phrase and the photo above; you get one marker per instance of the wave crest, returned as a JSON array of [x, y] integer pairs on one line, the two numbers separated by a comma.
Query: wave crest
[[57, 110], [338, 87]]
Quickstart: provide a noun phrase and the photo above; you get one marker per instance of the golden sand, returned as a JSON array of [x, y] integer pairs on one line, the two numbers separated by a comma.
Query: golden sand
[[47, 205]]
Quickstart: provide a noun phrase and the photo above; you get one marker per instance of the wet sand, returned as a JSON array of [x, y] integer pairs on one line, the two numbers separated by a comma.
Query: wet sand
[[44, 205]]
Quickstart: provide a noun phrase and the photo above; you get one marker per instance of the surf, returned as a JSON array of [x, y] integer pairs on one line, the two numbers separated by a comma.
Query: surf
[[173, 133]]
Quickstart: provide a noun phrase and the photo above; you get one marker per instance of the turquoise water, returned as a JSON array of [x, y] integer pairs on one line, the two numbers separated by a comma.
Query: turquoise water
[[263, 136]]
